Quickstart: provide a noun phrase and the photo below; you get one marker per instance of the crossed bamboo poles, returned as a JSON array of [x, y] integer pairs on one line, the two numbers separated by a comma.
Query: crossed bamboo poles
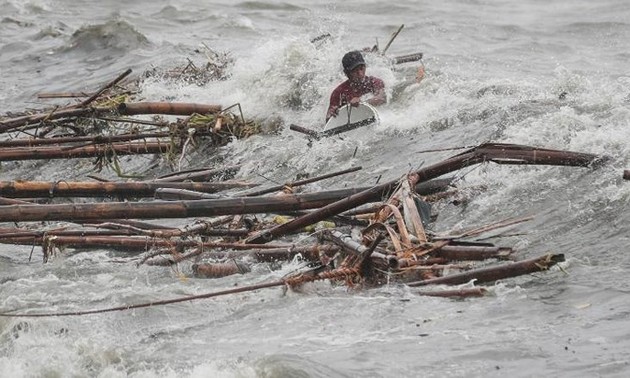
[[361, 262], [354, 266]]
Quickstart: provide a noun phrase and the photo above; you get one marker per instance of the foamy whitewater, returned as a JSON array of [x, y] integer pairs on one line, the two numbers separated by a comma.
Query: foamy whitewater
[[547, 74]]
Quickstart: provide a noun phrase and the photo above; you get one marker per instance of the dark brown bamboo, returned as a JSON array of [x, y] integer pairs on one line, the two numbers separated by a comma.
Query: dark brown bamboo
[[460, 293], [304, 130], [184, 209], [495, 273], [44, 153], [170, 108], [424, 188], [100, 139], [6, 232], [504, 153], [130, 243], [29, 189], [166, 209]]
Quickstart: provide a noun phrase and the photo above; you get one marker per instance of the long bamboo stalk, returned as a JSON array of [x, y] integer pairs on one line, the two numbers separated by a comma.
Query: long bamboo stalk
[[170, 108], [407, 58], [130, 243], [100, 139], [389, 43], [500, 153], [29, 189], [44, 153], [495, 273], [460, 293], [424, 188], [329, 202], [170, 209]]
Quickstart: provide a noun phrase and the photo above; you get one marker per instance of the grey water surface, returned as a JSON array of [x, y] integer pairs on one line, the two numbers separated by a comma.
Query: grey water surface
[[550, 74]]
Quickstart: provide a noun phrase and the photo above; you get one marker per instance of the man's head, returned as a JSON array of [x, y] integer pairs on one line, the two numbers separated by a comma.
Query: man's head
[[352, 60]]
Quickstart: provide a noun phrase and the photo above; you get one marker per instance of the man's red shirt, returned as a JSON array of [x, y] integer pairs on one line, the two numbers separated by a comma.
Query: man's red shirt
[[347, 91]]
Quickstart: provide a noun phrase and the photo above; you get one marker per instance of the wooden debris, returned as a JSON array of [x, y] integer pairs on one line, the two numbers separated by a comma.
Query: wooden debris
[[498, 153], [392, 239]]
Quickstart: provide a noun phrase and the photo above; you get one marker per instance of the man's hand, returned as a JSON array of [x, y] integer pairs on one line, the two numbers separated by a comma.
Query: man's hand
[[355, 101], [332, 112]]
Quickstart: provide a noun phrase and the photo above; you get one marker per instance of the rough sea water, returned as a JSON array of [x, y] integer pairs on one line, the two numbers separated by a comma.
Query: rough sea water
[[551, 74]]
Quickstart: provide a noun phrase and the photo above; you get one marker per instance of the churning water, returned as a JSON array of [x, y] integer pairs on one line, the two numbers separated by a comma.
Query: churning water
[[549, 74]]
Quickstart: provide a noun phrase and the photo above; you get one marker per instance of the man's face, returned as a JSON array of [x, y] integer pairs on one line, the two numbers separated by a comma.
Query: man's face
[[357, 74]]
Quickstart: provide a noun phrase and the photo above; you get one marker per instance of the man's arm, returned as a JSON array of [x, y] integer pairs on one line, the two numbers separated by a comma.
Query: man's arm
[[333, 106], [379, 97]]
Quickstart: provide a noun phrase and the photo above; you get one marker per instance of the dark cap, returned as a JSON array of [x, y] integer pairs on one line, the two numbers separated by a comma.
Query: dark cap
[[352, 60]]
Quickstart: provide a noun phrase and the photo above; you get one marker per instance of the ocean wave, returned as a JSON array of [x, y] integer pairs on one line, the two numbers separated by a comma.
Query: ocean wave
[[112, 36], [172, 13], [262, 5]]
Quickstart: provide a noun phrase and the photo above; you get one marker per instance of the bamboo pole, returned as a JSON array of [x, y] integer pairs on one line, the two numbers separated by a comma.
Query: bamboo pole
[[500, 153], [169, 108], [338, 274], [124, 109], [490, 274], [329, 202], [423, 188], [100, 139], [461, 293], [130, 243], [29, 189], [44, 153], [170, 209], [392, 39], [407, 58]]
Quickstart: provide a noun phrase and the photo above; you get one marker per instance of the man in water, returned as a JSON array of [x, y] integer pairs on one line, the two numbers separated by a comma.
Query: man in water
[[357, 85]]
